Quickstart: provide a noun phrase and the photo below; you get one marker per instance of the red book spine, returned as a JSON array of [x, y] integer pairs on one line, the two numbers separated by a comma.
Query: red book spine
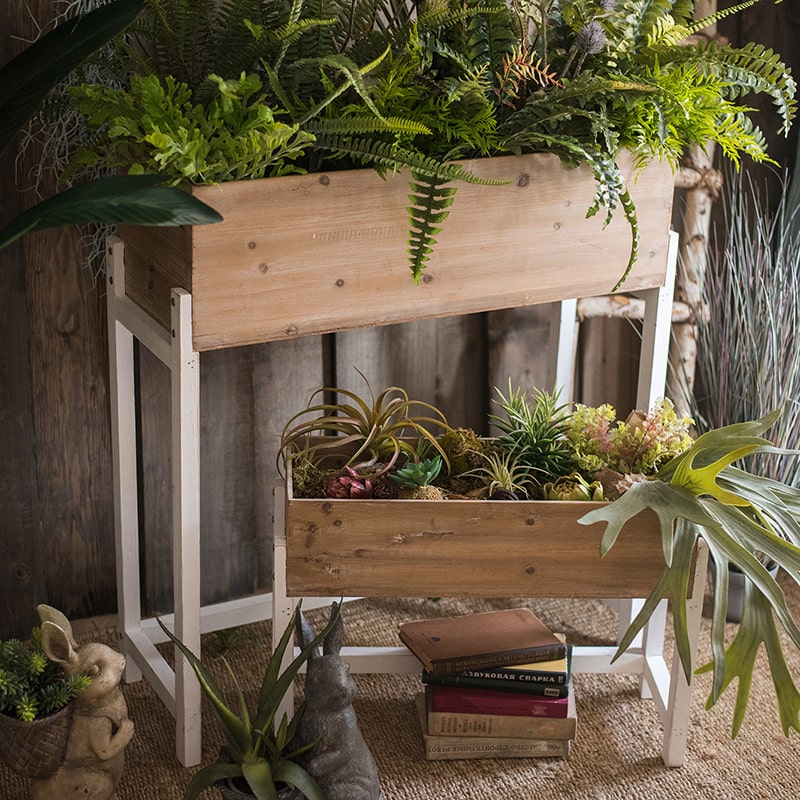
[[466, 700]]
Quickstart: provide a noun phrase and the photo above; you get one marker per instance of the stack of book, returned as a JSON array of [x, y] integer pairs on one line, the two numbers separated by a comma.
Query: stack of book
[[495, 685]]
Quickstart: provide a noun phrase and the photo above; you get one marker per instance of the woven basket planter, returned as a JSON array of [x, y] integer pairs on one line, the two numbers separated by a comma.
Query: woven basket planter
[[35, 749]]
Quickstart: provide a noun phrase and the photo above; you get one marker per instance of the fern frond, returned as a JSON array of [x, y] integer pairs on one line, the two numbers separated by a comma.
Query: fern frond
[[387, 156], [430, 201], [360, 125], [712, 19]]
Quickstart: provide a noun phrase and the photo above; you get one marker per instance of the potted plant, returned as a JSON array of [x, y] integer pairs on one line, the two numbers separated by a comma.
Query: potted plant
[[670, 491], [260, 757], [35, 707], [281, 89]]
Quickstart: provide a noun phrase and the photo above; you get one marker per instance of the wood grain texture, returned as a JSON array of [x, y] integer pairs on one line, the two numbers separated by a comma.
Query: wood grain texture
[[464, 548], [21, 564], [344, 264]]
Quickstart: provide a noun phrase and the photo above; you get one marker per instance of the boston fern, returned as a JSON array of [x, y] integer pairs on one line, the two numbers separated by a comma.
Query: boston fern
[[395, 84]]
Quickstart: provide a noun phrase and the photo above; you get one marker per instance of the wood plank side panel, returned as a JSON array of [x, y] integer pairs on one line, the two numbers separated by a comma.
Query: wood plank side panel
[[345, 264], [463, 548]]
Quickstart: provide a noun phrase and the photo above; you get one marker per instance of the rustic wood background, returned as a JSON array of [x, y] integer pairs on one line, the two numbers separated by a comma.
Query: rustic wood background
[[56, 513]]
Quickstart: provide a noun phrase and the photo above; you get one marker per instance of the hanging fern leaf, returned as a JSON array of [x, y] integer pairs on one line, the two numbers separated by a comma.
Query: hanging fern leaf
[[430, 201]]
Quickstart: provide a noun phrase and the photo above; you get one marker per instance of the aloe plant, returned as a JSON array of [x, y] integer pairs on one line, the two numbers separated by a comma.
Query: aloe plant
[[258, 750], [740, 516]]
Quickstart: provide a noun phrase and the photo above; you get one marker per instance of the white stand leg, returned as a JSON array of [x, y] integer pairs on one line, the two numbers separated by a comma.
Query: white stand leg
[[123, 448], [185, 368]]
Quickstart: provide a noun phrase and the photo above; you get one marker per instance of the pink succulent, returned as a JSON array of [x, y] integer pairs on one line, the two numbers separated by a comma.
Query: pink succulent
[[349, 486]]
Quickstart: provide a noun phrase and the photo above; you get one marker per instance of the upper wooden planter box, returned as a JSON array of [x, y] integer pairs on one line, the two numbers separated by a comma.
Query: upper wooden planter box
[[324, 252], [463, 548]]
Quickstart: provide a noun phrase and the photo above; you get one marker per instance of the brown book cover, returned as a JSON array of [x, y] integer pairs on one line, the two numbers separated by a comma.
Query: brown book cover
[[491, 639]]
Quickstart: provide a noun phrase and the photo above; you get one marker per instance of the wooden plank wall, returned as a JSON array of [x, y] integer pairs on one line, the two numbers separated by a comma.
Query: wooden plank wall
[[56, 511]]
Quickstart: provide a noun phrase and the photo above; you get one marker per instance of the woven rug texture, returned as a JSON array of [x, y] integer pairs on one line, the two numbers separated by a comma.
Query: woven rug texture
[[615, 755]]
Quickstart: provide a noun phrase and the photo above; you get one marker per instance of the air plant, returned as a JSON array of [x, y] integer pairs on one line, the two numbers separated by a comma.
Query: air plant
[[533, 429], [378, 430], [505, 476]]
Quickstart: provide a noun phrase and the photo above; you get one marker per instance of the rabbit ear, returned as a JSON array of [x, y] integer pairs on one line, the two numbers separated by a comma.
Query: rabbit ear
[[50, 614], [57, 645], [305, 633], [335, 637]]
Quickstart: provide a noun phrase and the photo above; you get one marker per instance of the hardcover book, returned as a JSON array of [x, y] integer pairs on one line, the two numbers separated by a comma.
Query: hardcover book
[[466, 700], [450, 748], [551, 679], [491, 639], [451, 723]]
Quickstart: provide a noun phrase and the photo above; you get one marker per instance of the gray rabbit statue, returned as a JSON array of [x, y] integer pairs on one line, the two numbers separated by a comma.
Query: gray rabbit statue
[[100, 729], [340, 762]]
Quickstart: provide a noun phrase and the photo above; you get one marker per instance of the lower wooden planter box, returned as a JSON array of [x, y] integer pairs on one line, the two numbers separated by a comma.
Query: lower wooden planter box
[[464, 548], [310, 254]]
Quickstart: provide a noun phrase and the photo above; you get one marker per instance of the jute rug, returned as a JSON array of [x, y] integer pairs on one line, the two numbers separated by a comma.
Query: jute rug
[[615, 756]]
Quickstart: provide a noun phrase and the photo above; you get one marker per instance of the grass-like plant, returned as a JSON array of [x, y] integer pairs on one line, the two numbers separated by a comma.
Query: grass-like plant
[[748, 352]]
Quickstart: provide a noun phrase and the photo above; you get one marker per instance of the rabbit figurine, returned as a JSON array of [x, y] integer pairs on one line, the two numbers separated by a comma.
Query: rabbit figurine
[[100, 727], [340, 761]]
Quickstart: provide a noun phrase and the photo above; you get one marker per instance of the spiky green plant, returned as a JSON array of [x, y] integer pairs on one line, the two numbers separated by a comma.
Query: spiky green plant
[[505, 475], [31, 685], [533, 429], [258, 751]]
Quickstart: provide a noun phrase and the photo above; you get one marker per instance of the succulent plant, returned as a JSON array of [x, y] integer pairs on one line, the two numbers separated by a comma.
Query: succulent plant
[[573, 487], [641, 444], [418, 473], [31, 685], [349, 485]]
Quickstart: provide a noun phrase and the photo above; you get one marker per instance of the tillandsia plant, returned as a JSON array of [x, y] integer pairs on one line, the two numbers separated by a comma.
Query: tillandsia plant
[[504, 475], [740, 516], [396, 84], [31, 685], [257, 750], [376, 431], [533, 430]]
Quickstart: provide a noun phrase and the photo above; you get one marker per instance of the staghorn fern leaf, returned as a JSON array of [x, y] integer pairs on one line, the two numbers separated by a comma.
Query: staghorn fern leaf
[[740, 517], [430, 201]]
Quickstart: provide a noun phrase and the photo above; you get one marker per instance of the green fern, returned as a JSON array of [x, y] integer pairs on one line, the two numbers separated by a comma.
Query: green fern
[[428, 210]]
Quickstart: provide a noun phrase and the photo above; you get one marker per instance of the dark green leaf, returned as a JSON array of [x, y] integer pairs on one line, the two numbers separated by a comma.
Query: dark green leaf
[[27, 79], [126, 199]]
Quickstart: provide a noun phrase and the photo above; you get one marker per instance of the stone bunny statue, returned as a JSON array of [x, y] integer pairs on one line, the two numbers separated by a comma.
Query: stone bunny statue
[[100, 726], [340, 762]]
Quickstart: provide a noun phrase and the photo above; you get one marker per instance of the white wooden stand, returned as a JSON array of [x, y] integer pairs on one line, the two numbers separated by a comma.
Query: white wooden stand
[[178, 689]]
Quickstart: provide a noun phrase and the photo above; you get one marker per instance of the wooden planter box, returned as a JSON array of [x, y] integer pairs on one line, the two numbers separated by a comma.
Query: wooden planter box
[[463, 548], [318, 253]]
